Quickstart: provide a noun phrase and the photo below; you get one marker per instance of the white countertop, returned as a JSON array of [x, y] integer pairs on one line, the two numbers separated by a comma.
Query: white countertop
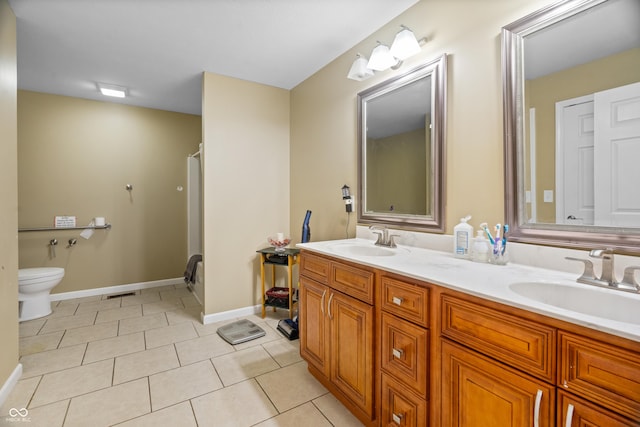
[[484, 280]]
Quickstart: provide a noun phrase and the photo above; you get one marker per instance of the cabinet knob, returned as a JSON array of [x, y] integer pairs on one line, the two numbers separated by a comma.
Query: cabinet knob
[[397, 300], [397, 353], [397, 418]]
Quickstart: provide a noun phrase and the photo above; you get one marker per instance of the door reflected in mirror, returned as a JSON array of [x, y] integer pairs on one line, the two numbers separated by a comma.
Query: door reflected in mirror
[[572, 124], [400, 131]]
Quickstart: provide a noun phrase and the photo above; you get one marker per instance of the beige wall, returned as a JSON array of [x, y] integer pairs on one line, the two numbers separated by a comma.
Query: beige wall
[[323, 114], [246, 185], [396, 169], [543, 93], [8, 195], [75, 157]]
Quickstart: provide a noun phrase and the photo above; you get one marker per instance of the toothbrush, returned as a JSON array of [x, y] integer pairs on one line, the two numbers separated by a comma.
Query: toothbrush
[[486, 231], [504, 237], [496, 245]]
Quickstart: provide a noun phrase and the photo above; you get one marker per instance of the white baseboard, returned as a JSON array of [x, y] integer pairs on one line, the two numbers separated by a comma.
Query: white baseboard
[[115, 289], [231, 314], [10, 383]]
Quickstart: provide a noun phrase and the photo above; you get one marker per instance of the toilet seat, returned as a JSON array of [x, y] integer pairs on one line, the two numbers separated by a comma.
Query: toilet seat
[[32, 276]]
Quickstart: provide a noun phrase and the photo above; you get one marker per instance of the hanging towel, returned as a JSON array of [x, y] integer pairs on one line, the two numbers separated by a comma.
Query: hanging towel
[[192, 265]]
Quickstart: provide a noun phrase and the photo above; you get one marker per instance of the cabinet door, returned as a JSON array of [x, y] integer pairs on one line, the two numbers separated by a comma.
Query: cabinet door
[[352, 348], [576, 412], [313, 324], [478, 391]]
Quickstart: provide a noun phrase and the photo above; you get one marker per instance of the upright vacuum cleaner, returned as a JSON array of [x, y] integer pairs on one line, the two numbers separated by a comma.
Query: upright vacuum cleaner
[[289, 327]]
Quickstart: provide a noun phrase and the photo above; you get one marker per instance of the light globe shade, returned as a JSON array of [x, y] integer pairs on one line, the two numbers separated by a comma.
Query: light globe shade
[[381, 58], [359, 70], [405, 45]]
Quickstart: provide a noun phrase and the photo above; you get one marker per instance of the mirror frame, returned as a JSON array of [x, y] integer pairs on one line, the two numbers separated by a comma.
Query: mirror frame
[[622, 240], [435, 221]]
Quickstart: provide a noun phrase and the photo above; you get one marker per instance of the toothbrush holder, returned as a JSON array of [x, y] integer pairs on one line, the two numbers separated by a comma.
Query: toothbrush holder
[[498, 254]]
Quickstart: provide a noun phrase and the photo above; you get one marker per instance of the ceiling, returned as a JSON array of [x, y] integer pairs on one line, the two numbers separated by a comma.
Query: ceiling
[[606, 29], [159, 49]]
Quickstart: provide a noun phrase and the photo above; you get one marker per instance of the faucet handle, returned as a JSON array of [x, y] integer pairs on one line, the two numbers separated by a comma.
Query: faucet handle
[[379, 231], [629, 277], [588, 268], [601, 253]]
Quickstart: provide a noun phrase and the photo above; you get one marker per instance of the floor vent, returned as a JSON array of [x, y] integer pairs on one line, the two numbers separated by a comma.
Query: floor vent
[[126, 294]]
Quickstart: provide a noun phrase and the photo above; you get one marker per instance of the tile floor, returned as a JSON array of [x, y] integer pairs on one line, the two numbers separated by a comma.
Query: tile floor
[[146, 360]]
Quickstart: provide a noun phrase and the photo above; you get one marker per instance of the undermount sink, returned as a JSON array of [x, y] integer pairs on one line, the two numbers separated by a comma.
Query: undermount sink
[[593, 301], [363, 249]]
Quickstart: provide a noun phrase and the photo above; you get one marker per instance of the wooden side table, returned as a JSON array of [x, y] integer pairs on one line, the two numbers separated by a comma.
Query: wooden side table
[[266, 254]]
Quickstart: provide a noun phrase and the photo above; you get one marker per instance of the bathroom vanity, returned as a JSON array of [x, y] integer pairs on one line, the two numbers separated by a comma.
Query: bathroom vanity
[[414, 337]]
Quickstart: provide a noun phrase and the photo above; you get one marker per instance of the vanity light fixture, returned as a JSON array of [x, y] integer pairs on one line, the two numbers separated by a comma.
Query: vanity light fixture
[[112, 90], [382, 57], [359, 70], [405, 44]]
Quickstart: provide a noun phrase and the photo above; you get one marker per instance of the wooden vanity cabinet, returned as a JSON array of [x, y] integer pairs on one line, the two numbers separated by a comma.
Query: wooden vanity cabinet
[[501, 354], [477, 391], [599, 372], [404, 351], [497, 369], [574, 411], [337, 330]]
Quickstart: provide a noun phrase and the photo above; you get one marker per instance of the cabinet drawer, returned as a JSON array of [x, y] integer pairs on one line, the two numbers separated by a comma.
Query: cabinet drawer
[[406, 300], [573, 411], [315, 267], [525, 345], [353, 281], [400, 407], [602, 373], [405, 352]]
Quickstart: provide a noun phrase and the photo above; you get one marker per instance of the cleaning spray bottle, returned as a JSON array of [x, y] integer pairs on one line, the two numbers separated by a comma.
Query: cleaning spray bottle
[[462, 235]]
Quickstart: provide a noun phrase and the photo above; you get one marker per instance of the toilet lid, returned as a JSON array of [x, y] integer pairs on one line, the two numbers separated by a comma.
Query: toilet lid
[[36, 273]]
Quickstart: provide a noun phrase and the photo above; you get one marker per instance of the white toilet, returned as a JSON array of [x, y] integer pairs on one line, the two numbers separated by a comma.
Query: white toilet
[[34, 286]]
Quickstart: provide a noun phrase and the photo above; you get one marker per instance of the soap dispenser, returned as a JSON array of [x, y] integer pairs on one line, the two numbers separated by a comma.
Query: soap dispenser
[[462, 235], [480, 251]]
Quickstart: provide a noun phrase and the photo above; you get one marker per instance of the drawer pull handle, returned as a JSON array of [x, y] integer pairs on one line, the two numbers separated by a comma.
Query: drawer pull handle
[[397, 418], [322, 301], [536, 412], [397, 300], [569, 415], [329, 305], [397, 353]]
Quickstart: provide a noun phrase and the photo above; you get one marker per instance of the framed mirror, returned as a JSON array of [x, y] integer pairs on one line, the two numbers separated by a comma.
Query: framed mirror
[[401, 125], [571, 85]]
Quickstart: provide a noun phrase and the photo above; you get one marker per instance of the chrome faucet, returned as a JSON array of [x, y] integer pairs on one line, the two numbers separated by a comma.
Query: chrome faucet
[[384, 238], [607, 277], [606, 255]]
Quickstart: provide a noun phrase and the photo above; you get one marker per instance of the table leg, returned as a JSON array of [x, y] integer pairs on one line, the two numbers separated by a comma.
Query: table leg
[[262, 260]]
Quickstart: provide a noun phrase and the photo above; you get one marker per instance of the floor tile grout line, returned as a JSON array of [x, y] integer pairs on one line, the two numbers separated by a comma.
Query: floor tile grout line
[[320, 410]]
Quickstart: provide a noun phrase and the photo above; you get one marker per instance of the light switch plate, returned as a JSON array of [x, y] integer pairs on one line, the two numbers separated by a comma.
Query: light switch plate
[[548, 196]]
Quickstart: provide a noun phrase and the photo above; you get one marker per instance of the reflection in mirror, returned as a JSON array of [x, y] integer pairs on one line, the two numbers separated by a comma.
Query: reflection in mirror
[[401, 142], [571, 75]]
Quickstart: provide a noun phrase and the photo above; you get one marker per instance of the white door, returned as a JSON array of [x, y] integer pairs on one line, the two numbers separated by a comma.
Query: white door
[[574, 161], [617, 156]]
